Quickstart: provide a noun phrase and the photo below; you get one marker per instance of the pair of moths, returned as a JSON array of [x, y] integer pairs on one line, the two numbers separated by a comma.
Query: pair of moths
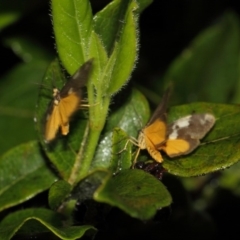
[[178, 138]]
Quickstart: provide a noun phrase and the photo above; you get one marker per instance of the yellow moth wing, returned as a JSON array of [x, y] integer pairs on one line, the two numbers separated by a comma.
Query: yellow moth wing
[[65, 129], [176, 147], [52, 124], [156, 132], [68, 106]]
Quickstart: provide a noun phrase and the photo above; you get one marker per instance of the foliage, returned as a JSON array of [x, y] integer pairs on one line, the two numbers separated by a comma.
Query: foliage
[[91, 167]]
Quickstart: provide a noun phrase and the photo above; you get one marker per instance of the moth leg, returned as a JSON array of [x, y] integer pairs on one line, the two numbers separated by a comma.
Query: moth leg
[[86, 105], [132, 140], [135, 158]]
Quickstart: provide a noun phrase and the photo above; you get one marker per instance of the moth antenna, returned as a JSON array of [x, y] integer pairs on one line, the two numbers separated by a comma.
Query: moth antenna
[[42, 85], [219, 139], [130, 140]]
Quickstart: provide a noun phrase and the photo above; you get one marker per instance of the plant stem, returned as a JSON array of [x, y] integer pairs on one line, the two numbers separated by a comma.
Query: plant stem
[[97, 117], [78, 160]]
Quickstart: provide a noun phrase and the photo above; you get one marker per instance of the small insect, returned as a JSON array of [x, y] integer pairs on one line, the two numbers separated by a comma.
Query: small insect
[[178, 138], [65, 103]]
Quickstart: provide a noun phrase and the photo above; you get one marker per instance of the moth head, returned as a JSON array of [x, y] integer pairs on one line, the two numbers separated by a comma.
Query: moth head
[[55, 92], [56, 96]]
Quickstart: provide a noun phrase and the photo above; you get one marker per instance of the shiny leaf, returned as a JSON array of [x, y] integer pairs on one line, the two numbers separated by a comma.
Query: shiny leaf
[[24, 173], [58, 193], [209, 68], [32, 219], [130, 117], [72, 24], [119, 36], [18, 96], [137, 193], [218, 150]]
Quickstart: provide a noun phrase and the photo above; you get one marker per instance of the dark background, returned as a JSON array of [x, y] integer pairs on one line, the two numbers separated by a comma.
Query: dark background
[[166, 28]]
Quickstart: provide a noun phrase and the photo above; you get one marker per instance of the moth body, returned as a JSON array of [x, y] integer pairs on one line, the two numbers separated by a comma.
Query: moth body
[[65, 103]]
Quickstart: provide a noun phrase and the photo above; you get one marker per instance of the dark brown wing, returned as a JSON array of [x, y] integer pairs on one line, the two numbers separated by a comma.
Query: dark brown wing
[[78, 80], [185, 133], [161, 111]]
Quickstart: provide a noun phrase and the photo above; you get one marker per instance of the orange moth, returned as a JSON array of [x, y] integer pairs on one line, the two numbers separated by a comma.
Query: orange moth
[[178, 138], [65, 103]]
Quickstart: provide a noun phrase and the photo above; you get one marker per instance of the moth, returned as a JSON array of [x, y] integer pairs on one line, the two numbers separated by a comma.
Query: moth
[[178, 138], [65, 103]]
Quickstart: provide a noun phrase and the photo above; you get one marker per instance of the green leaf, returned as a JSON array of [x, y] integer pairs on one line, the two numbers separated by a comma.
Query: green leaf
[[8, 18], [143, 4], [58, 193], [121, 151], [10, 13], [119, 36], [27, 49], [32, 218], [63, 151], [72, 23], [230, 179], [130, 117], [76, 39], [137, 193], [209, 68], [88, 185], [101, 72], [105, 29], [24, 173], [97, 49], [109, 30], [218, 150], [126, 51], [18, 96]]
